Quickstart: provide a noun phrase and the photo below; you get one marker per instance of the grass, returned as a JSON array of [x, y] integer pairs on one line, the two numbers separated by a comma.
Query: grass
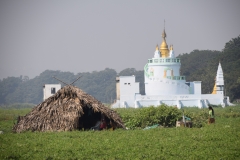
[[218, 141]]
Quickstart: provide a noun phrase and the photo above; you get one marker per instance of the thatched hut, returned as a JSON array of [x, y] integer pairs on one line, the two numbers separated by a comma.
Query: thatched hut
[[69, 109]]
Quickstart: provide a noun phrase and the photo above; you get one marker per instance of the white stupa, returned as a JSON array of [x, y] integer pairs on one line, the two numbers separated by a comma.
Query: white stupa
[[164, 84]]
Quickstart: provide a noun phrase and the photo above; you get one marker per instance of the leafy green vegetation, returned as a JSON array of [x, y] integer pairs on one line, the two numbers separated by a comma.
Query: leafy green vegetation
[[143, 117], [217, 141], [167, 116], [9, 116]]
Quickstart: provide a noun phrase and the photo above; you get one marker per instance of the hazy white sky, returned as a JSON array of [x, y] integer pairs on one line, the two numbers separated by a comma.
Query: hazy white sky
[[90, 35]]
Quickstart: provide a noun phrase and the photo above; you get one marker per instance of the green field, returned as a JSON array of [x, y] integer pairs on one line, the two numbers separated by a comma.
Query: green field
[[218, 141]]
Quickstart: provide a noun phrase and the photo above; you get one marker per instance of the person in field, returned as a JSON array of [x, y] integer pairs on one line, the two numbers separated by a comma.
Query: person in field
[[103, 124], [211, 115]]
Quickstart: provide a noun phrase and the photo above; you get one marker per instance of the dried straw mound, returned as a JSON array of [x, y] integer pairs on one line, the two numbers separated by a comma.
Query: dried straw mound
[[63, 112]]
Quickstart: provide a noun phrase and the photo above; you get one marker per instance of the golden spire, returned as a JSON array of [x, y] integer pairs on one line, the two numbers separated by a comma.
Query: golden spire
[[157, 48], [171, 47], [214, 89], [164, 35], [164, 47]]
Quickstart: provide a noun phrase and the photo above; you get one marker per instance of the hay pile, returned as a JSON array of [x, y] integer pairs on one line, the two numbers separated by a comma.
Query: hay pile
[[65, 111]]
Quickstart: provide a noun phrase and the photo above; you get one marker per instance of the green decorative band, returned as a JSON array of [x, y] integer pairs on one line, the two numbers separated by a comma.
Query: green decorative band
[[164, 60]]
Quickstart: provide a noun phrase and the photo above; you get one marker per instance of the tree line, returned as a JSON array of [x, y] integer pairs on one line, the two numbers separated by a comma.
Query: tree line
[[199, 65]]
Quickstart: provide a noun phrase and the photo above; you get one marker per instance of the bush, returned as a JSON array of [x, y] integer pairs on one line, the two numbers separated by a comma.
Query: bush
[[142, 117], [199, 117]]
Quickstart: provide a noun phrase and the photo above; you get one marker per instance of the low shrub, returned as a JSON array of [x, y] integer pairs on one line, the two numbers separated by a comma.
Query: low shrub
[[199, 117], [147, 116]]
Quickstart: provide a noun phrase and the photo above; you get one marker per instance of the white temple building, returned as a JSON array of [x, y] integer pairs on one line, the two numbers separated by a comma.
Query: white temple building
[[165, 85]]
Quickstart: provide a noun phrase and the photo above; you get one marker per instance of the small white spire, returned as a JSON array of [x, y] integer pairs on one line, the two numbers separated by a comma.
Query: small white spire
[[219, 77], [171, 53], [157, 53]]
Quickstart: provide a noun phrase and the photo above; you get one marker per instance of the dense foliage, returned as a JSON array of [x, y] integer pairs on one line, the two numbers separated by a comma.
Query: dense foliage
[[230, 59], [196, 66], [167, 116], [143, 117]]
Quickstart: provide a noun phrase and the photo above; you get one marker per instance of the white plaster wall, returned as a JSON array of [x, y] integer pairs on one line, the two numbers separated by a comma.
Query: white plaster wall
[[190, 103], [47, 90], [184, 100], [166, 87], [156, 84], [168, 97], [159, 69], [211, 96], [147, 103], [183, 103], [197, 87], [215, 99], [128, 90], [171, 100]]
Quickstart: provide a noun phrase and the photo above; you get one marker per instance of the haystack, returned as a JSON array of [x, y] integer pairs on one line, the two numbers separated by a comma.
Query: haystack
[[69, 109]]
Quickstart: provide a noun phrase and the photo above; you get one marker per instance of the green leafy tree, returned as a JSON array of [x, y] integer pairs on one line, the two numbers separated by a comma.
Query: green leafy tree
[[230, 60], [8, 86]]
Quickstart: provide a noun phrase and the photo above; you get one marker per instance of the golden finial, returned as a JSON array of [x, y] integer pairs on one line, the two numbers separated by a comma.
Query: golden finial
[[164, 35], [164, 24], [157, 48], [164, 47], [171, 47]]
